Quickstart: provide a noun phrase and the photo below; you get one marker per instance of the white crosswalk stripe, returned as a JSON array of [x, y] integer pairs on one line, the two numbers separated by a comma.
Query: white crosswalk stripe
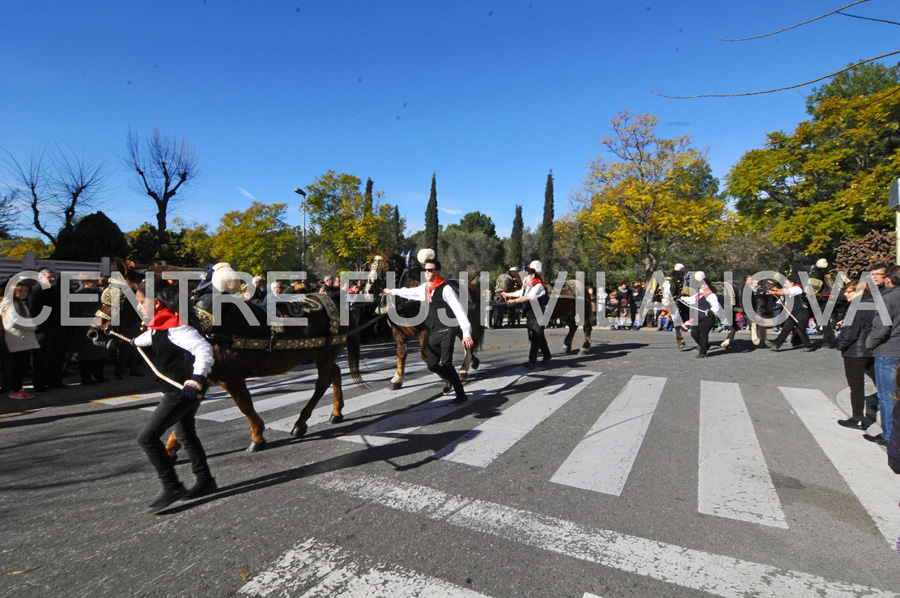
[[603, 459], [315, 568], [876, 492], [734, 481], [483, 445]]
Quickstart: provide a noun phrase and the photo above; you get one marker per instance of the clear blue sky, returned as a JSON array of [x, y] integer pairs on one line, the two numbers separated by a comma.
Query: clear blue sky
[[488, 95]]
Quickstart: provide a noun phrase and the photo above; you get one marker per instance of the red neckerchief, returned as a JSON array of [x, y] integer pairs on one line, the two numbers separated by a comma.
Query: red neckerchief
[[435, 283], [536, 281], [164, 319]]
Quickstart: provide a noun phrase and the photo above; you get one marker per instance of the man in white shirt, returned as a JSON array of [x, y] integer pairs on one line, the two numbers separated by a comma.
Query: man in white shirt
[[443, 306], [533, 289]]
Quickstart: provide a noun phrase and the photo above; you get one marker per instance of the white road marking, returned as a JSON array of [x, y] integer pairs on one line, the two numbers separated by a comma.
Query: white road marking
[[718, 575], [603, 459], [859, 462], [389, 429], [481, 446], [315, 568], [733, 480]]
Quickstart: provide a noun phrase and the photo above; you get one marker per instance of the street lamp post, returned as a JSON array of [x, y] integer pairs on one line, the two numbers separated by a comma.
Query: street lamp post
[[299, 191]]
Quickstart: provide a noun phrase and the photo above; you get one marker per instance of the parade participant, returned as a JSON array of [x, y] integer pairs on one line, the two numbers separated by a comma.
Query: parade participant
[[708, 308], [533, 289], [798, 316], [443, 305], [179, 353]]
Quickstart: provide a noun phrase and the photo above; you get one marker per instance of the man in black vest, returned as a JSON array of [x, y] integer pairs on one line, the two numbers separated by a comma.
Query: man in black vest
[[533, 288], [708, 307], [185, 358], [443, 307]]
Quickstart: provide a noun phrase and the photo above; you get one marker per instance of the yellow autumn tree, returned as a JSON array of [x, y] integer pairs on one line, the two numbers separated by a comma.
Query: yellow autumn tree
[[650, 196]]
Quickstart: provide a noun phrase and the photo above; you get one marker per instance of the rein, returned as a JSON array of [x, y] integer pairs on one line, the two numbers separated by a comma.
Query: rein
[[147, 359]]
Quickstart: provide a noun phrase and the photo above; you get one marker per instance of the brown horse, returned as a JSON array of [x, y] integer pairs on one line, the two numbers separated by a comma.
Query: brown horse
[[382, 263], [564, 309], [242, 349]]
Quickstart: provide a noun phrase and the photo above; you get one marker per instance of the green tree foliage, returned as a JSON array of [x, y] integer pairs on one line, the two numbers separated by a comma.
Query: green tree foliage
[[547, 228], [514, 252], [653, 195], [91, 238], [826, 181], [257, 240], [475, 222], [472, 252], [345, 231], [431, 217], [863, 80], [17, 247], [396, 229]]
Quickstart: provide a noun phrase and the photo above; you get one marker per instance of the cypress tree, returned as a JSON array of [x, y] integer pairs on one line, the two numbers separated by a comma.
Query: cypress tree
[[431, 217], [515, 239], [367, 198], [395, 228], [547, 228]]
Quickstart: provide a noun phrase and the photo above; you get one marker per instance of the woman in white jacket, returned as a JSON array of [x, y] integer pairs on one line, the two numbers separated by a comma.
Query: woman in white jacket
[[20, 338]]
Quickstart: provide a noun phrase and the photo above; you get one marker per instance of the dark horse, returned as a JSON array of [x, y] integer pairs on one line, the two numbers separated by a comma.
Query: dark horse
[[382, 263], [242, 349], [564, 309]]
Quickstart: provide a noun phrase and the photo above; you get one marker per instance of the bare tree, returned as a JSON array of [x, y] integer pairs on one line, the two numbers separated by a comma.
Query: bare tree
[[163, 165], [56, 188]]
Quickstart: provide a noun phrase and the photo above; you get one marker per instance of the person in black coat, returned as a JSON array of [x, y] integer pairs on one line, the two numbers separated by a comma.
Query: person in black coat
[[858, 360]]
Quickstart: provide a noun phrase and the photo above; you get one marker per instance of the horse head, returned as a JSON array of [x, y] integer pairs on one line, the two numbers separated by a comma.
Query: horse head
[[115, 311]]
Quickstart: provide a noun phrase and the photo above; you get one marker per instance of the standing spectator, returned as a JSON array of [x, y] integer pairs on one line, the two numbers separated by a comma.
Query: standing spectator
[[91, 357], [276, 289], [858, 360], [50, 359], [884, 341], [533, 289], [332, 289], [622, 297], [256, 293], [20, 338]]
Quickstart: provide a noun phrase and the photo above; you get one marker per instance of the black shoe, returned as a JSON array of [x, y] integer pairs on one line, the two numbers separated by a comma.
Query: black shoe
[[701, 355], [854, 423], [773, 346], [530, 364], [459, 400], [88, 383], [201, 488], [546, 359], [168, 496], [879, 440], [101, 380], [808, 349], [448, 388]]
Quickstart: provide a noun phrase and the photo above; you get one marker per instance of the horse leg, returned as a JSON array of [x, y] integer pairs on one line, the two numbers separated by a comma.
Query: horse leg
[[324, 368], [567, 341], [237, 388], [679, 337], [402, 351], [172, 446], [727, 342], [337, 410], [586, 346], [467, 361]]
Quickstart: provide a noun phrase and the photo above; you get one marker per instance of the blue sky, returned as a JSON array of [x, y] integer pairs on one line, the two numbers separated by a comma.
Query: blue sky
[[490, 96]]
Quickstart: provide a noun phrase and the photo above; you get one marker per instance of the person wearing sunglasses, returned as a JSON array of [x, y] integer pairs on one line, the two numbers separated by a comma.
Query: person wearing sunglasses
[[443, 306]]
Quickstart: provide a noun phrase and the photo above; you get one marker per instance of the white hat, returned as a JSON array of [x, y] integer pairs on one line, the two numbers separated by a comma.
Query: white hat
[[822, 263], [224, 278], [699, 275], [425, 254], [679, 267], [537, 266]]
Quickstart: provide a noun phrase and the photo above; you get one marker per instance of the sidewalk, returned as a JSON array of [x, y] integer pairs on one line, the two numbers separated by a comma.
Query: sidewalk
[[76, 393]]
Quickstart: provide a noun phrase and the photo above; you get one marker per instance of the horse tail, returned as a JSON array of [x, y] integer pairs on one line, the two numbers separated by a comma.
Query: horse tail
[[353, 350]]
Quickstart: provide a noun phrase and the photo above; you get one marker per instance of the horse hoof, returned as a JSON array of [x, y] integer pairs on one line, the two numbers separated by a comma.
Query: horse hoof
[[584, 350], [475, 362], [464, 375], [396, 385], [255, 447], [298, 431], [568, 349], [336, 419]]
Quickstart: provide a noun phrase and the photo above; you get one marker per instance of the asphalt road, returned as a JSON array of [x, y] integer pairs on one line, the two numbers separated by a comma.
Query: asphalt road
[[634, 470]]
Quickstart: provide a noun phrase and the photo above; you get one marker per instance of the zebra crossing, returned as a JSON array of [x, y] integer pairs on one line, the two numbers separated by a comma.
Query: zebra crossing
[[734, 481]]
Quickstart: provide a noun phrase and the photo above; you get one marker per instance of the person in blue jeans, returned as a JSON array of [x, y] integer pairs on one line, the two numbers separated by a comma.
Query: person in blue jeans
[[884, 341]]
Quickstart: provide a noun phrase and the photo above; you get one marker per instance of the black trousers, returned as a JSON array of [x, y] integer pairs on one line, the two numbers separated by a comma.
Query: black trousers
[[799, 327], [20, 362], [855, 369], [440, 357], [173, 410], [700, 333], [538, 340]]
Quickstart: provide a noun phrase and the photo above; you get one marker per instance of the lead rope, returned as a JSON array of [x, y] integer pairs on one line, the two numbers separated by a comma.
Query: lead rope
[[161, 376]]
